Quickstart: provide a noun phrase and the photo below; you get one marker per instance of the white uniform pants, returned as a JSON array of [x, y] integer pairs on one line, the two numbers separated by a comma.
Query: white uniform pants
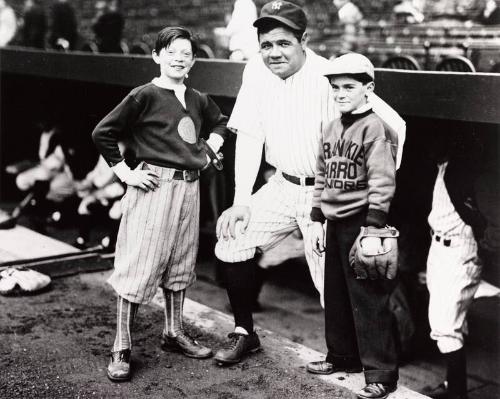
[[453, 276], [277, 210]]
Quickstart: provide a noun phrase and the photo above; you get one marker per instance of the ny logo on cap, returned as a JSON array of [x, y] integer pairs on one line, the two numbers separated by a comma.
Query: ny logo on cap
[[276, 5]]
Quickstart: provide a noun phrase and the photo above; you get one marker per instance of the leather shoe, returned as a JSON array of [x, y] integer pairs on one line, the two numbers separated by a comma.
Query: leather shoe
[[119, 366], [186, 345], [324, 367], [239, 346], [376, 390], [441, 392]]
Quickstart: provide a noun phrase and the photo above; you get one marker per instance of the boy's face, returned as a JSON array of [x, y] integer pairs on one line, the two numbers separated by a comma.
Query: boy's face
[[175, 60], [348, 93]]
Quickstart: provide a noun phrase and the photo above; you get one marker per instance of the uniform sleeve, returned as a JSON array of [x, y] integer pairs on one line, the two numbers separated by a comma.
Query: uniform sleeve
[[213, 119], [393, 120], [114, 127], [319, 184], [245, 116], [380, 158]]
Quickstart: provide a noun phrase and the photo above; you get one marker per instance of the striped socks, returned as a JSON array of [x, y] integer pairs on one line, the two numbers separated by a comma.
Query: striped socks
[[174, 304], [125, 314]]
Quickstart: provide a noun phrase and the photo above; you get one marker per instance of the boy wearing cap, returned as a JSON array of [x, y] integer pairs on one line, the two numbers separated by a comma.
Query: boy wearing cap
[[354, 186]]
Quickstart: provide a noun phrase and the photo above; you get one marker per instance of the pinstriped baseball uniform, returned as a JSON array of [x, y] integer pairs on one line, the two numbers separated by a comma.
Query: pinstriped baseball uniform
[[453, 270], [150, 253], [287, 116]]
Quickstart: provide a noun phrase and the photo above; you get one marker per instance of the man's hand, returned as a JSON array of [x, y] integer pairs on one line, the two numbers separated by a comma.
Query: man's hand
[[226, 224], [318, 238], [144, 179]]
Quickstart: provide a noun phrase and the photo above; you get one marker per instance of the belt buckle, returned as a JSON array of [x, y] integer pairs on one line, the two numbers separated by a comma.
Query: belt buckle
[[302, 180], [189, 175]]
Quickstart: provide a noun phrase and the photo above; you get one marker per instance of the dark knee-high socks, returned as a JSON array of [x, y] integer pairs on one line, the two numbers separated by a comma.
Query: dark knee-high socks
[[456, 373]]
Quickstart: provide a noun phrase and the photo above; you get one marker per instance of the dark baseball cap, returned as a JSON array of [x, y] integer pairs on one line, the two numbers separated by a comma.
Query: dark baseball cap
[[287, 13]]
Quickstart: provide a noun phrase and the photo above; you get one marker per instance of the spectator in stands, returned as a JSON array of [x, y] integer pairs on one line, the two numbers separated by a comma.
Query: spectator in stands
[[34, 25], [405, 11], [490, 14], [64, 27], [8, 23], [108, 26], [243, 43], [348, 12]]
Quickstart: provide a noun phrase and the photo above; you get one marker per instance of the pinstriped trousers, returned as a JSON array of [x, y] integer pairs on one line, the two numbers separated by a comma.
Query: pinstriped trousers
[[453, 276], [277, 210], [157, 241]]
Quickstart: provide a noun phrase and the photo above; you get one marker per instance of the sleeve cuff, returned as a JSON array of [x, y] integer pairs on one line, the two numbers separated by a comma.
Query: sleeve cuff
[[215, 141], [317, 215], [376, 217], [122, 170]]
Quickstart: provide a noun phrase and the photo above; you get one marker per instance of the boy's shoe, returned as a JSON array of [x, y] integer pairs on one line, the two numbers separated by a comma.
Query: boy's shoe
[[119, 366], [188, 346], [239, 345], [375, 390], [324, 367], [441, 392]]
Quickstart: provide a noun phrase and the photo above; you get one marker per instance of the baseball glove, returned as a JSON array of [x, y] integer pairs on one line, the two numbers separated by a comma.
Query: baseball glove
[[374, 254]]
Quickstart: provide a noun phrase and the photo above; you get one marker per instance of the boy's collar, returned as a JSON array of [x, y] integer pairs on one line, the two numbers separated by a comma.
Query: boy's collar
[[349, 118], [362, 109], [167, 85]]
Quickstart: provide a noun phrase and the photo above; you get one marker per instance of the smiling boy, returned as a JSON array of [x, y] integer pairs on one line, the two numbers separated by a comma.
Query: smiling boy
[[354, 185]]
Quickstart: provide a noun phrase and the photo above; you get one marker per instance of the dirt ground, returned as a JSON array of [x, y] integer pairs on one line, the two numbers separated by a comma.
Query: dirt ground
[[55, 345]]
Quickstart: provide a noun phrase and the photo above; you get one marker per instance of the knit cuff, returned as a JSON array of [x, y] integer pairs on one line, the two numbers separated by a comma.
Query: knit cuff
[[376, 217], [317, 215]]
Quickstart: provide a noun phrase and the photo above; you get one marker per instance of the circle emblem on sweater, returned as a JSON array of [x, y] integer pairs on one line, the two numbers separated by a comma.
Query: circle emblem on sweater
[[187, 130]]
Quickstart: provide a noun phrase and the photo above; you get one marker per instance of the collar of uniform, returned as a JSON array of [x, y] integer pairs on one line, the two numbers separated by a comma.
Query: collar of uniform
[[165, 85], [349, 118]]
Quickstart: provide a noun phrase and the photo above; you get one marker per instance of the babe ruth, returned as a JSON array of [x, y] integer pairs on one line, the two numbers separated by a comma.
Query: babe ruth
[[284, 103]]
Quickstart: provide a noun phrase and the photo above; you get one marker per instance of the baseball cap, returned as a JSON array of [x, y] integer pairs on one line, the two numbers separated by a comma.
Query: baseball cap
[[285, 12], [348, 64]]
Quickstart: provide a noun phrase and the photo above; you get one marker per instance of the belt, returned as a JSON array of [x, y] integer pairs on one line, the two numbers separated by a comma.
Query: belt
[[445, 241], [300, 181], [186, 175]]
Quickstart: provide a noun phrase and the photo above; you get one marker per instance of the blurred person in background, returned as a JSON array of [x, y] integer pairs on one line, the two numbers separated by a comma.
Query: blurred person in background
[[34, 24], [243, 43], [8, 23], [349, 18], [108, 26], [64, 26], [405, 11], [490, 14]]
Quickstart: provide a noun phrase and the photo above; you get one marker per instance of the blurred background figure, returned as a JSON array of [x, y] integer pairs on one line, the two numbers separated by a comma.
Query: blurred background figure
[[348, 13], [34, 24], [490, 14], [64, 27], [108, 26], [406, 12], [242, 35], [8, 23]]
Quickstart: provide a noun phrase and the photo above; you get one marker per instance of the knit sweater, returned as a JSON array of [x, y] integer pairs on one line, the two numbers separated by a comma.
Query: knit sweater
[[356, 168], [162, 132]]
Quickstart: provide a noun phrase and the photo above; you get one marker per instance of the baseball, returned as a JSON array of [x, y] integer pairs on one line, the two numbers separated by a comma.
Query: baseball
[[371, 245]]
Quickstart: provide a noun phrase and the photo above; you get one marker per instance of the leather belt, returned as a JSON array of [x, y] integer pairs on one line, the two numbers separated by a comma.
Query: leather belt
[[186, 175], [445, 241], [300, 181]]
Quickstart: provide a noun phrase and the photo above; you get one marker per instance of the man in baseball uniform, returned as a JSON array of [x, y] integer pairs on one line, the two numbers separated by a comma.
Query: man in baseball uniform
[[283, 103]]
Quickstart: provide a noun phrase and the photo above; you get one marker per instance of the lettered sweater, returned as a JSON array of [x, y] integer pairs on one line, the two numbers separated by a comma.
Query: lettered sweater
[[356, 168]]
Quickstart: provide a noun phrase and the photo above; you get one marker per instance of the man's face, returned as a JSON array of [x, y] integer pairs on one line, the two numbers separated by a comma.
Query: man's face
[[348, 93], [282, 53]]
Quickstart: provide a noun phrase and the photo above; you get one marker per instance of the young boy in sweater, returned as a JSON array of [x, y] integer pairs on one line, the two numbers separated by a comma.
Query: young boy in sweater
[[354, 185], [157, 240]]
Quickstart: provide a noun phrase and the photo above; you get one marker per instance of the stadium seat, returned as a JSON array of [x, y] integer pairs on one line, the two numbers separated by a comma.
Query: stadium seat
[[456, 63], [406, 62], [204, 51]]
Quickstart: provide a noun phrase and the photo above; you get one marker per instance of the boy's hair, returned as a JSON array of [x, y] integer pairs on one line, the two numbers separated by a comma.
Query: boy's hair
[[269, 25], [167, 35]]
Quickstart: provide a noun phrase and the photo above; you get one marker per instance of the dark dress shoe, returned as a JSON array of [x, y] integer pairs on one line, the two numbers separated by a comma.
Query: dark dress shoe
[[239, 346], [119, 366], [441, 392], [186, 345], [324, 367], [375, 390]]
